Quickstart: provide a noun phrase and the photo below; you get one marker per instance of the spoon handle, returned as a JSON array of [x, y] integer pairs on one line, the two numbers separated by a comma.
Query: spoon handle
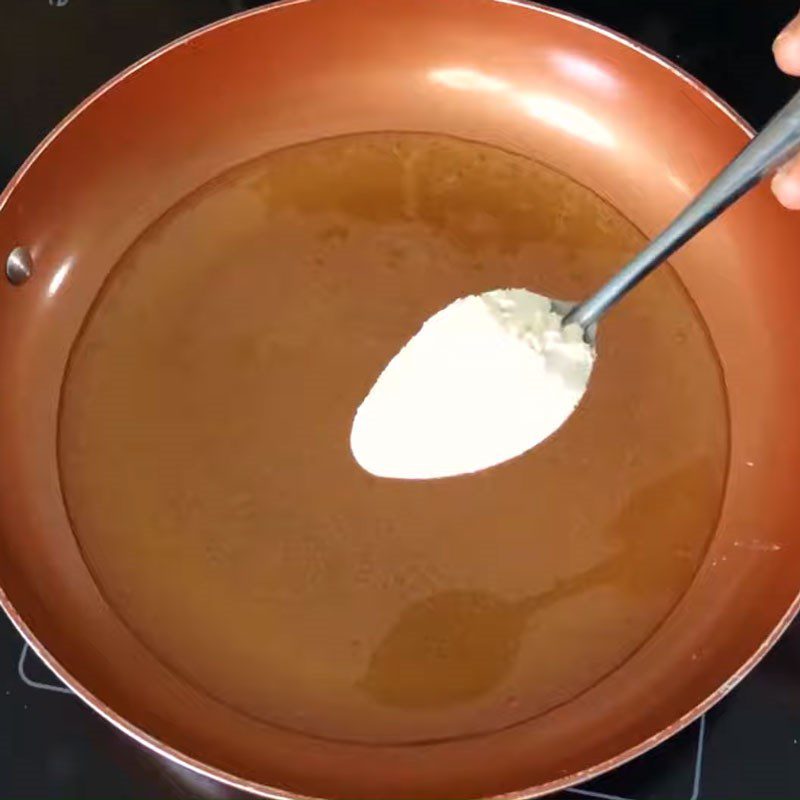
[[774, 146]]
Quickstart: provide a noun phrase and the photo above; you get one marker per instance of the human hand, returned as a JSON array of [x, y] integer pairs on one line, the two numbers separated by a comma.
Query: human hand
[[786, 183]]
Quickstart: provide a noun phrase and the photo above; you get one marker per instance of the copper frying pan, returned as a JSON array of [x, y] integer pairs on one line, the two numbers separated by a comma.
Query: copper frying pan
[[307, 69]]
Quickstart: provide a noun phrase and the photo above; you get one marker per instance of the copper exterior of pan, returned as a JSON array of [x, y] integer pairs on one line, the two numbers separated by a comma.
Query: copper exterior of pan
[[634, 128]]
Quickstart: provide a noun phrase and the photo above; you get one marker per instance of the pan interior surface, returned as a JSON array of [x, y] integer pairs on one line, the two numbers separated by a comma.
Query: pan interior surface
[[205, 465]]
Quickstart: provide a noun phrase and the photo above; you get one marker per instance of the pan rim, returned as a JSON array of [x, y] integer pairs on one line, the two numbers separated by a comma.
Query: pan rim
[[164, 750]]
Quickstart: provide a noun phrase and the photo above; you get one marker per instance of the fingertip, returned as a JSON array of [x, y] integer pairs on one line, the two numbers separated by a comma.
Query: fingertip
[[787, 49], [786, 186]]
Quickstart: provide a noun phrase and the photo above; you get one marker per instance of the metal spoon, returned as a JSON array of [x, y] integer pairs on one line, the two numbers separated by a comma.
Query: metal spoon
[[389, 438], [773, 147]]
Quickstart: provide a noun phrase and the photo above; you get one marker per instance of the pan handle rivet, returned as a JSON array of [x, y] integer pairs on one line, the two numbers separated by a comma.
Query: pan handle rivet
[[19, 265]]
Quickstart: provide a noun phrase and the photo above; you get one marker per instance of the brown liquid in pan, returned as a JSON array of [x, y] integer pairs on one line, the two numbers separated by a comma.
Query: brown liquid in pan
[[204, 446]]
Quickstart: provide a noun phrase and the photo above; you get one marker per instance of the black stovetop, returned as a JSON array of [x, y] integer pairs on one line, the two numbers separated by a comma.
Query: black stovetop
[[52, 54]]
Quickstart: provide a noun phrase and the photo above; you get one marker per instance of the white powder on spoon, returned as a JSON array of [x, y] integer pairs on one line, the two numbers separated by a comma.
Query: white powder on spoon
[[484, 380]]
